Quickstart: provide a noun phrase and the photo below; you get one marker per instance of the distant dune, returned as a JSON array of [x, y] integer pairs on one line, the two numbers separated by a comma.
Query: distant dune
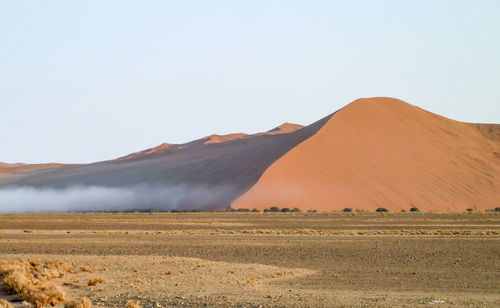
[[376, 152], [10, 172], [383, 152], [207, 173]]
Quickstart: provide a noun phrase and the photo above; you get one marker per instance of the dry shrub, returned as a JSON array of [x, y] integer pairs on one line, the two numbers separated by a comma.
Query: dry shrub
[[61, 266], [18, 282], [27, 278], [95, 281], [131, 304], [51, 295], [5, 304], [82, 303], [88, 269], [9, 266]]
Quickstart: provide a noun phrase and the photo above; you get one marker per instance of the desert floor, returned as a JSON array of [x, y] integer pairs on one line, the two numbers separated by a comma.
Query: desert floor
[[265, 259]]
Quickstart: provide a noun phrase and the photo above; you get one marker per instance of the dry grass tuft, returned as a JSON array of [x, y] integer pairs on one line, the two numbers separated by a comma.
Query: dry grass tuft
[[82, 303], [131, 304], [88, 269], [95, 281], [5, 304], [47, 295], [28, 279], [19, 282]]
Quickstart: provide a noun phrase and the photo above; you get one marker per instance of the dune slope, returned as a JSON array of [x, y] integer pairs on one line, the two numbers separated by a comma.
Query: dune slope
[[208, 173], [11, 172], [383, 152]]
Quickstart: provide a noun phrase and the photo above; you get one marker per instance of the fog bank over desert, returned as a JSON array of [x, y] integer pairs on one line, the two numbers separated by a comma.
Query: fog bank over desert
[[23, 199]]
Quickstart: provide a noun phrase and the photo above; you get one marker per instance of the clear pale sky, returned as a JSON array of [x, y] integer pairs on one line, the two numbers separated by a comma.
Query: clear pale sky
[[83, 81]]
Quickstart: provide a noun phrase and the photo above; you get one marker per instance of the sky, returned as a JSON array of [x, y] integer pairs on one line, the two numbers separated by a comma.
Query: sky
[[85, 81]]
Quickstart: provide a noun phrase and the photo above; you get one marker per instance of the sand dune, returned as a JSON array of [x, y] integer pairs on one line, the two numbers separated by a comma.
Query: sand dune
[[5, 168], [208, 173], [377, 152], [11, 172], [285, 128], [383, 152]]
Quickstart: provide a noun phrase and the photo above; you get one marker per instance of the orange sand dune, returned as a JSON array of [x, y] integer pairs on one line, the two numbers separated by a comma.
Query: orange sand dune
[[147, 152], [11, 172], [377, 152], [285, 128], [167, 148], [208, 173], [224, 138], [383, 152], [13, 168]]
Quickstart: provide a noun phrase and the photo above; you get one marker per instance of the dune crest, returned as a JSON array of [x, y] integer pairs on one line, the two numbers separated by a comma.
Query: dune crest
[[285, 128], [20, 167], [375, 152], [383, 152], [148, 152], [224, 138], [11, 172]]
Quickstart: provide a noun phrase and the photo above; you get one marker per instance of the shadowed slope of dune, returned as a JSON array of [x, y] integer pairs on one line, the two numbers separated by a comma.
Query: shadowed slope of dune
[[208, 173], [6, 168], [377, 152], [383, 152], [10, 172]]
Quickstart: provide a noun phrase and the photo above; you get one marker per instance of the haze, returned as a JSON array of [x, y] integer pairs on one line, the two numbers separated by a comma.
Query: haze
[[98, 198], [84, 81]]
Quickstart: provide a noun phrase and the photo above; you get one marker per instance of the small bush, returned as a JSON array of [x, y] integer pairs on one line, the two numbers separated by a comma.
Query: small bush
[[469, 210], [88, 269], [312, 211], [255, 211], [95, 281], [403, 211], [296, 209], [19, 278], [51, 295], [497, 209], [414, 209], [382, 209], [274, 209], [243, 210], [285, 210], [131, 304], [347, 210], [82, 303]]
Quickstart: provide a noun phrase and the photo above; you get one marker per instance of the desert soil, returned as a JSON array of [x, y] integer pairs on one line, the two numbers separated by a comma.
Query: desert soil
[[266, 259]]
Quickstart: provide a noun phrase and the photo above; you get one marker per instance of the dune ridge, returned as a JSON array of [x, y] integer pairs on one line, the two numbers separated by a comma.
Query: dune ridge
[[375, 152], [11, 172], [195, 175], [383, 152]]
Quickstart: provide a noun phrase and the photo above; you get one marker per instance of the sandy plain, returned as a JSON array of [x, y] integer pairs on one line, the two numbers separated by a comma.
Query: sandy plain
[[265, 259]]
